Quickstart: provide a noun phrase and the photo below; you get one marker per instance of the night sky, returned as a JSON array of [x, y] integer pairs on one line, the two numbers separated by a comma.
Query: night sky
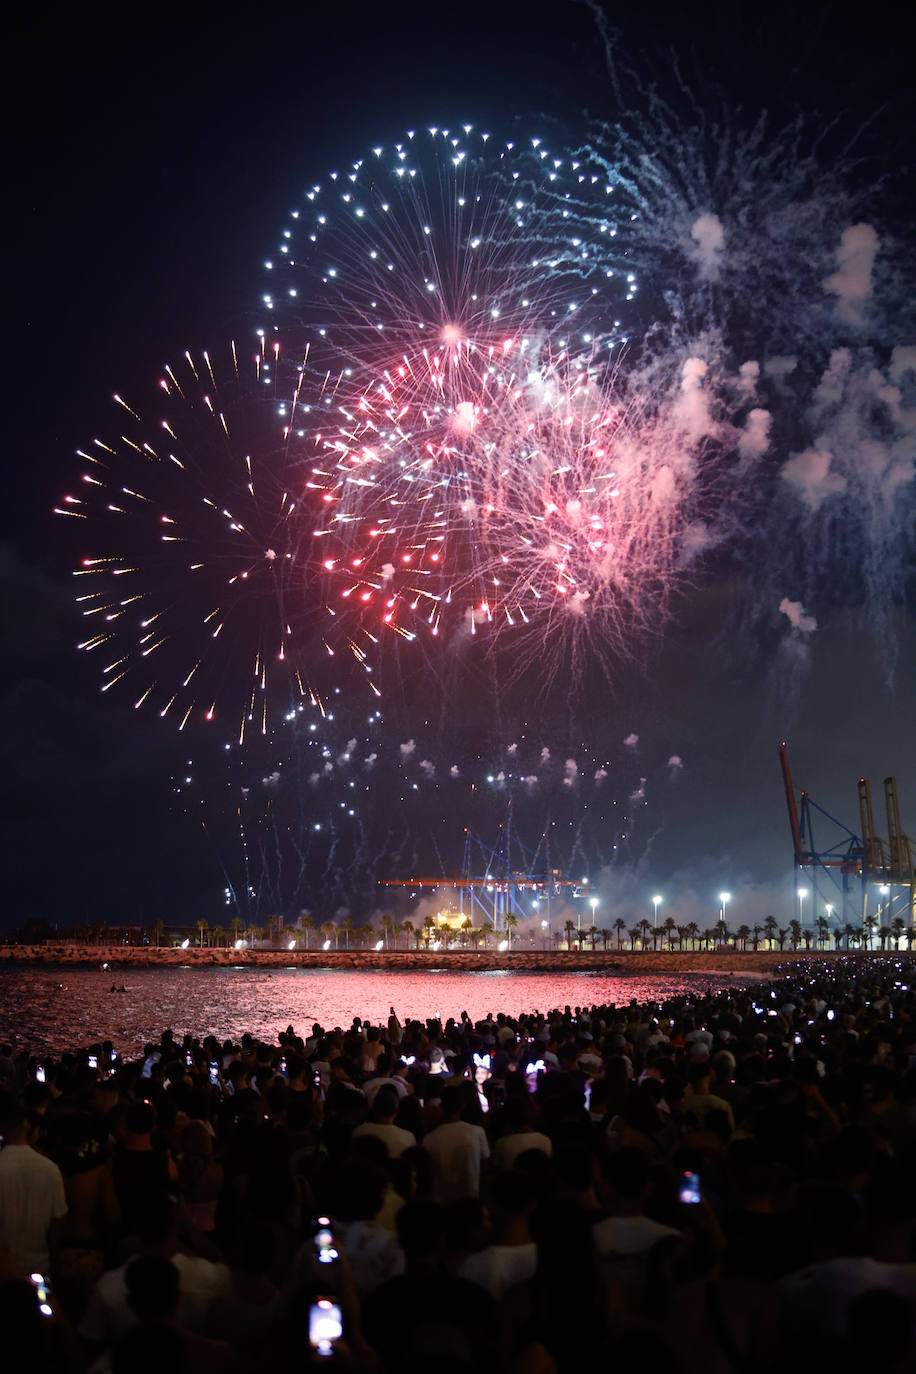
[[151, 161]]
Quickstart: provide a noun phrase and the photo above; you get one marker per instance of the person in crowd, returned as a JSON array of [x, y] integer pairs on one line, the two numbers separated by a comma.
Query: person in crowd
[[458, 1151], [716, 1184], [381, 1124], [33, 1200], [510, 1255]]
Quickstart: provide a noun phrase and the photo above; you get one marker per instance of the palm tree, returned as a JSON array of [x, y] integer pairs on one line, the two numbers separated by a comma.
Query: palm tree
[[693, 932], [669, 928], [467, 929], [429, 925], [387, 924], [256, 934], [743, 934], [289, 932], [329, 931], [511, 924], [757, 932], [486, 930], [647, 929], [898, 926], [781, 936], [851, 933], [823, 931], [795, 932], [868, 929], [203, 927], [408, 929], [218, 934], [346, 926], [605, 938], [884, 934], [272, 925], [238, 925], [620, 926], [308, 925], [770, 924], [569, 927]]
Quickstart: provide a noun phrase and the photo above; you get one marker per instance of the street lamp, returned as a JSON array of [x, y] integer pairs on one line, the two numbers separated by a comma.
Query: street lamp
[[583, 883], [724, 898], [656, 902], [593, 902], [802, 894]]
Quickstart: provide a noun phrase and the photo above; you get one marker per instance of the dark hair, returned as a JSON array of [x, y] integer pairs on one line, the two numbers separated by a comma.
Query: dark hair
[[358, 1191], [627, 1171], [385, 1104], [421, 1227], [451, 1101], [150, 1349], [152, 1287], [140, 1119]]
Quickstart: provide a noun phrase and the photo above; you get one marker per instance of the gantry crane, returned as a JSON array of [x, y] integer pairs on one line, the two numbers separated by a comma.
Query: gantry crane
[[867, 858]]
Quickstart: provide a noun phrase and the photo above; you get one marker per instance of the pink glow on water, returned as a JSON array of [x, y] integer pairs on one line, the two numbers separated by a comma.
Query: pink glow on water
[[53, 1010]]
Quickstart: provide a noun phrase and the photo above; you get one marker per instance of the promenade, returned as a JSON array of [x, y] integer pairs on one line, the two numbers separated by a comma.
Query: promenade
[[723, 960]]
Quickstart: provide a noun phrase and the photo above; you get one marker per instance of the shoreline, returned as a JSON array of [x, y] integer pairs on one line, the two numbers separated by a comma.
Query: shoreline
[[621, 962]]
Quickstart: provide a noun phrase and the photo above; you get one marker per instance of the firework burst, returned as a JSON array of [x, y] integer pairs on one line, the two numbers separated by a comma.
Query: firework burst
[[197, 586], [512, 493], [448, 235]]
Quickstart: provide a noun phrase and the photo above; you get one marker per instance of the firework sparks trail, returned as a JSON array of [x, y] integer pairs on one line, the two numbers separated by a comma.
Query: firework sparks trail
[[515, 494], [195, 588], [779, 244], [469, 450], [296, 821], [447, 235]]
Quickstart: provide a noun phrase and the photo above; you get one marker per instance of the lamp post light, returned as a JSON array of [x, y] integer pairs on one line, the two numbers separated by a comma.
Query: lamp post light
[[593, 902], [656, 903], [724, 898], [802, 894]]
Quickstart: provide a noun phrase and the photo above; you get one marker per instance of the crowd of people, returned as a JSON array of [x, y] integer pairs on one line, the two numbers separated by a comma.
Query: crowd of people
[[722, 1183]]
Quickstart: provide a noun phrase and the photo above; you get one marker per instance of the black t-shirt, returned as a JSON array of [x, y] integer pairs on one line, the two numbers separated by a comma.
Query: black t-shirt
[[141, 1177]]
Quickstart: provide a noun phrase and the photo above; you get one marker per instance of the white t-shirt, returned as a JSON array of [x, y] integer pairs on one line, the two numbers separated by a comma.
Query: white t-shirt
[[819, 1296], [31, 1197], [374, 1084], [499, 1267], [628, 1235], [396, 1138], [373, 1252], [110, 1316], [458, 1151], [507, 1150]]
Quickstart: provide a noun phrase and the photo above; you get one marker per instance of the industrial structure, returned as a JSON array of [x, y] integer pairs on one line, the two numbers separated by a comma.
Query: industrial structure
[[500, 890], [847, 866]]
